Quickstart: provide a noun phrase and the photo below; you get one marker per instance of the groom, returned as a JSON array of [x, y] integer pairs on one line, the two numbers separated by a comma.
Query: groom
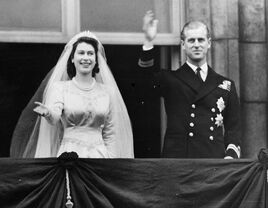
[[203, 115]]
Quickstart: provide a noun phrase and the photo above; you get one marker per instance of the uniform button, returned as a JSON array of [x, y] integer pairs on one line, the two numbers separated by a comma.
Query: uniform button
[[191, 134], [193, 105], [192, 124], [211, 138], [213, 110], [211, 128], [192, 115], [212, 119]]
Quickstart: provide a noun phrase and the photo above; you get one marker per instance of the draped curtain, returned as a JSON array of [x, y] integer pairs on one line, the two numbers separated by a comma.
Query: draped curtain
[[133, 183]]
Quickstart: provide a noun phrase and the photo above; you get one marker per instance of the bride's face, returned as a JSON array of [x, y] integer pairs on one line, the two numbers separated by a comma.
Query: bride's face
[[84, 58]]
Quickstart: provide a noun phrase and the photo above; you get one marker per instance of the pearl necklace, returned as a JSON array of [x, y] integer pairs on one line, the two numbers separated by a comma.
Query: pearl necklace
[[84, 88]]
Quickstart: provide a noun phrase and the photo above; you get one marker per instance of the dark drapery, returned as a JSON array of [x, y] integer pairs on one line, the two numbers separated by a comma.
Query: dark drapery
[[133, 183]]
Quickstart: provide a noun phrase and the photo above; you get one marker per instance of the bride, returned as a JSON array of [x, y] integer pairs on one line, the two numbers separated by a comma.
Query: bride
[[79, 109]]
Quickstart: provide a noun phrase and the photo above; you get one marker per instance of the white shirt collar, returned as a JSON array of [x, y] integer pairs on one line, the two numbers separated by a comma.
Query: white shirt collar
[[204, 69]]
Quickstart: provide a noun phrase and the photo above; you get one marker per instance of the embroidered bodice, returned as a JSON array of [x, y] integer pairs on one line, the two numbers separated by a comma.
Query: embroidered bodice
[[86, 117]]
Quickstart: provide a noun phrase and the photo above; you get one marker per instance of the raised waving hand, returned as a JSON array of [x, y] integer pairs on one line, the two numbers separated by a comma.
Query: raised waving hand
[[149, 26]]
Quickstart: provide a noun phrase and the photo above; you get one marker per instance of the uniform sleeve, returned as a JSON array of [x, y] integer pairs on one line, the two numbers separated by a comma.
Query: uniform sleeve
[[151, 72], [232, 125], [55, 103], [146, 59], [108, 132]]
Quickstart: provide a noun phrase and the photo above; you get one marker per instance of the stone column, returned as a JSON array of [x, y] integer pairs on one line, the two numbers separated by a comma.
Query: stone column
[[253, 72]]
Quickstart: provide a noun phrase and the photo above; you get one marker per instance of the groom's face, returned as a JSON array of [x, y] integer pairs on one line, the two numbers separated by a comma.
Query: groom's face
[[196, 44]]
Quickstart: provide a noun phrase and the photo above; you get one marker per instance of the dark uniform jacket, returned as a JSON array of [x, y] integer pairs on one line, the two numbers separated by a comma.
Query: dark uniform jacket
[[203, 119]]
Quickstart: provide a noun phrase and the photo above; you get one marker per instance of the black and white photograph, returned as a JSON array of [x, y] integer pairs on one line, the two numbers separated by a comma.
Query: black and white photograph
[[134, 103]]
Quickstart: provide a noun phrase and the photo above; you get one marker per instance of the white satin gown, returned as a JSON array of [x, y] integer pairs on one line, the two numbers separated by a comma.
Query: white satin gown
[[86, 115]]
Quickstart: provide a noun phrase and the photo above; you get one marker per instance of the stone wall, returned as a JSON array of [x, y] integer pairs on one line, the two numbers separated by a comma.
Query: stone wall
[[253, 74]]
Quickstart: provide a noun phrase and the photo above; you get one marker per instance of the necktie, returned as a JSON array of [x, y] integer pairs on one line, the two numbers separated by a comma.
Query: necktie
[[199, 75]]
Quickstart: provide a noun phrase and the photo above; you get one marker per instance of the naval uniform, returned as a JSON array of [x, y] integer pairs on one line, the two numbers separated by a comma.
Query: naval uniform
[[203, 118]]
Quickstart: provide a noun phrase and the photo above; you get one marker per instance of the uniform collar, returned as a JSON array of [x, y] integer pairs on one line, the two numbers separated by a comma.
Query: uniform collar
[[203, 71], [187, 75]]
